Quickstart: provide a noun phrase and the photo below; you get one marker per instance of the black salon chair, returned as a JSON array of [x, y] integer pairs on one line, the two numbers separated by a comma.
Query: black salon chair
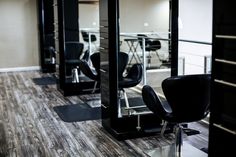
[[73, 52], [150, 45], [131, 79], [187, 101]]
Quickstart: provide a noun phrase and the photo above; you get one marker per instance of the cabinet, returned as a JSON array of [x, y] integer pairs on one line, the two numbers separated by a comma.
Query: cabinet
[[222, 133]]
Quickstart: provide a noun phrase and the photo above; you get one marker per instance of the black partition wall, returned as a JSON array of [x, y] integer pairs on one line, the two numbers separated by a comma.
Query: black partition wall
[[222, 131], [174, 36], [70, 50], [46, 35], [126, 126]]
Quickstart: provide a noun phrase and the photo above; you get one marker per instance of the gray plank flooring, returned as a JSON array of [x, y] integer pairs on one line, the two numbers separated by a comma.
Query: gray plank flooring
[[30, 127]]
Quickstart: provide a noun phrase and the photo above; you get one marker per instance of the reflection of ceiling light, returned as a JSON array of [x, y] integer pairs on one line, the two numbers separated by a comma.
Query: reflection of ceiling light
[[94, 23], [146, 24]]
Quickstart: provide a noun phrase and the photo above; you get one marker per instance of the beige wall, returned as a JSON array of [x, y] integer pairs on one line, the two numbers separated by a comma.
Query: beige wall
[[89, 18], [18, 34], [89, 15]]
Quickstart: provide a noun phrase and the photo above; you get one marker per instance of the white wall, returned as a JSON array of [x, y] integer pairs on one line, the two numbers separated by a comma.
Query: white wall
[[18, 33], [196, 17], [135, 13], [195, 23]]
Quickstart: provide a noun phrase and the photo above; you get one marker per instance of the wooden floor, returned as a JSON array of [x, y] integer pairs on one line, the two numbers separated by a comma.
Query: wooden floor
[[30, 127]]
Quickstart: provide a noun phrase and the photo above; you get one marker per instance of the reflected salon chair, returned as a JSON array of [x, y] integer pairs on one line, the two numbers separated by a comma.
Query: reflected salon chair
[[150, 45], [131, 79], [91, 72], [49, 49], [85, 36], [187, 101], [73, 52]]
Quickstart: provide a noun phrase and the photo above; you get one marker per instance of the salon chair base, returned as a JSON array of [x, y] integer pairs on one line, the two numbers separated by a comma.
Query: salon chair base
[[80, 88], [169, 151], [126, 127], [48, 68]]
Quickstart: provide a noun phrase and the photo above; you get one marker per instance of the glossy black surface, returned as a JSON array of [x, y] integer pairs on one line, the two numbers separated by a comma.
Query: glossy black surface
[[222, 136], [224, 21], [46, 35], [174, 36], [108, 65], [70, 50]]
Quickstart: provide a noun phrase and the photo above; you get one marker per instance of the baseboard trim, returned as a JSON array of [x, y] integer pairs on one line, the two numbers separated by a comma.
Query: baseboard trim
[[15, 69]]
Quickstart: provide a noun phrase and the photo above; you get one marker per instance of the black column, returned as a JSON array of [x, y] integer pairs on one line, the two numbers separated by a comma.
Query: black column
[[71, 23], [109, 39], [40, 8], [46, 35], [61, 36], [222, 133], [174, 13], [68, 31], [49, 40]]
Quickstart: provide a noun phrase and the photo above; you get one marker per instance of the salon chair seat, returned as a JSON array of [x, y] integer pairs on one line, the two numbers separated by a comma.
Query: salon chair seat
[[188, 100], [93, 38], [73, 52], [85, 37], [133, 77], [87, 70]]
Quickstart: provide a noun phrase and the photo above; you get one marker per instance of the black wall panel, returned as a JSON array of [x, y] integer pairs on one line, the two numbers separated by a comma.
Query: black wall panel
[[222, 133]]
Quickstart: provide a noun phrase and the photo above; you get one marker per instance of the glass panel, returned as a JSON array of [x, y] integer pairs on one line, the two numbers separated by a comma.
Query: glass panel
[[194, 58], [195, 37], [81, 46], [145, 38], [89, 26]]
